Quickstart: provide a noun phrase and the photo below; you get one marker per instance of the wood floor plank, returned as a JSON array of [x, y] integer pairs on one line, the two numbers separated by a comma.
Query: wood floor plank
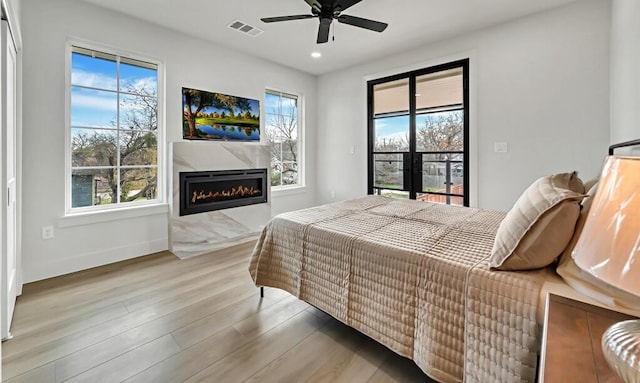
[[301, 361], [200, 280], [357, 361], [64, 282], [42, 374], [52, 328], [92, 356], [199, 330], [15, 362], [220, 341], [149, 266], [192, 360], [159, 290], [397, 369], [77, 283], [121, 286], [130, 363], [269, 317], [251, 358], [207, 288], [147, 273], [161, 319]]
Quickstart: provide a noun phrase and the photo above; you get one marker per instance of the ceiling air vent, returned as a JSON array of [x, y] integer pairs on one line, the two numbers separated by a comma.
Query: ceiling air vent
[[245, 28]]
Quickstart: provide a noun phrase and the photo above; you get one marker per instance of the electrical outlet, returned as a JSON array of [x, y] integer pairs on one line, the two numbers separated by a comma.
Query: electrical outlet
[[47, 232], [333, 194], [352, 150]]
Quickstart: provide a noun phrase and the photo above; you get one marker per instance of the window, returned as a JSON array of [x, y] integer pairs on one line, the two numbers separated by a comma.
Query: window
[[418, 134], [282, 130], [113, 135]]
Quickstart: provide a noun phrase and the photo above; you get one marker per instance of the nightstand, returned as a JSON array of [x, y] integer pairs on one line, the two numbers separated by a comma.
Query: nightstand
[[571, 350]]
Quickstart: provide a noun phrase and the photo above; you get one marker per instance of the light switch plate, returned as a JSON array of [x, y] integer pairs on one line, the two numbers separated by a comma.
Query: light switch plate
[[500, 147]]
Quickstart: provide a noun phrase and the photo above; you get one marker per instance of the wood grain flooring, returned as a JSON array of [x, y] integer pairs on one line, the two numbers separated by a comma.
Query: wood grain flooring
[[161, 319]]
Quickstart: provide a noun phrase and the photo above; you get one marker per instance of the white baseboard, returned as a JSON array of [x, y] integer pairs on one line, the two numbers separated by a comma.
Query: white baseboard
[[36, 272]]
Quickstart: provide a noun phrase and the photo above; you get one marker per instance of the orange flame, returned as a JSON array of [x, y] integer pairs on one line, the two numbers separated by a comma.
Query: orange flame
[[240, 191]]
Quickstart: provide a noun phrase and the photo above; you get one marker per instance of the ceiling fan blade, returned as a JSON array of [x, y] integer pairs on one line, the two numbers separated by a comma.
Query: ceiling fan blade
[[363, 23], [344, 4], [314, 4], [286, 18], [323, 30]]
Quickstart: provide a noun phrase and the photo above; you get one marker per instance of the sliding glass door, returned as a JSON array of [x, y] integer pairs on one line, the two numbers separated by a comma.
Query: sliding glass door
[[418, 134]]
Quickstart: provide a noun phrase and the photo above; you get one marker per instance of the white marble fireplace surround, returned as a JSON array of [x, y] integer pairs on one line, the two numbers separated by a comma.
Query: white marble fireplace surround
[[197, 234]]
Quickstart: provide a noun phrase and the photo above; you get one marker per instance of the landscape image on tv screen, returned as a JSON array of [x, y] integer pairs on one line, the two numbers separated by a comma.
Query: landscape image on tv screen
[[217, 116]]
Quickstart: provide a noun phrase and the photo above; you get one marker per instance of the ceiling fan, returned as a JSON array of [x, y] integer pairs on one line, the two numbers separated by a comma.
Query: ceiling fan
[[327, 11]]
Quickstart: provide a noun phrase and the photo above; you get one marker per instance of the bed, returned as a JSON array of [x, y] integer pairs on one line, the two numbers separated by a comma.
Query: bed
[[415, 276]]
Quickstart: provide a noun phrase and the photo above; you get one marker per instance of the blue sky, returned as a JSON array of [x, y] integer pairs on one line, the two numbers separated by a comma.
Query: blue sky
[[392, 127], [97, 108], [272, 104]]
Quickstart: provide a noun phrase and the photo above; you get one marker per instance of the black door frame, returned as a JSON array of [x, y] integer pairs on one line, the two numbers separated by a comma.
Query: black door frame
[[412, 177]]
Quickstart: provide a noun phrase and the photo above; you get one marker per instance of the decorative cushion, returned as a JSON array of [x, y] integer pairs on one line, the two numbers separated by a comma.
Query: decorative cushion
[[540, 225]]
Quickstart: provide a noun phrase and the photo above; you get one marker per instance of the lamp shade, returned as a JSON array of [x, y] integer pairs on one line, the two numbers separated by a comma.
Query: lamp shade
[[609, 245]]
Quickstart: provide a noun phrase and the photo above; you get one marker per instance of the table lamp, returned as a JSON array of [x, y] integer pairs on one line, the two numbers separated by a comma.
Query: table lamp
[[609, 249]]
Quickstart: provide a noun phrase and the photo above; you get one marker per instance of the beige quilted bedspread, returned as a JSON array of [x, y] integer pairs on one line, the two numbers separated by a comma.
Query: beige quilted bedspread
[[413, 276]]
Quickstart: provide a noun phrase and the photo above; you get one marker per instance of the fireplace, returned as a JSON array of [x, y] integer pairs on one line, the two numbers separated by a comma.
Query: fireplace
[[214, 190]]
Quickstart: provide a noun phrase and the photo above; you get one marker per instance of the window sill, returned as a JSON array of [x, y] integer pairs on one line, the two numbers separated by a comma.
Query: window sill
[[288, 190], [87, 218]]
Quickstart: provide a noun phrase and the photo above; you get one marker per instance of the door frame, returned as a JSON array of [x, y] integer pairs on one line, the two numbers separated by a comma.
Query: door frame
[[8, 102], [412, 176], [9, 13]]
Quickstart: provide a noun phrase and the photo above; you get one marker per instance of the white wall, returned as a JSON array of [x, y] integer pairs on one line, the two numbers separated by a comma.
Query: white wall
[[78, 244], [625, 71], [540, 83]]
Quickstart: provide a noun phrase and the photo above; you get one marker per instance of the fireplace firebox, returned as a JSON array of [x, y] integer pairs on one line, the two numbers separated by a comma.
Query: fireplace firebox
[[214, 190]]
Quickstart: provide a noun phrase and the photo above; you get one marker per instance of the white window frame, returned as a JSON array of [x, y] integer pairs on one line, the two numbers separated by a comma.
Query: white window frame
[[161, 171], [284, 189]]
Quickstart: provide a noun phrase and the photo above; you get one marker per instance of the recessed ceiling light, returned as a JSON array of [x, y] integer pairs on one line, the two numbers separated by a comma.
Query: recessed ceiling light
[[316, 55]]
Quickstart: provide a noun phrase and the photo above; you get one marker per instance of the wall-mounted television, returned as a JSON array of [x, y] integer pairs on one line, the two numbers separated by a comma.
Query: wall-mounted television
[[217, 116]]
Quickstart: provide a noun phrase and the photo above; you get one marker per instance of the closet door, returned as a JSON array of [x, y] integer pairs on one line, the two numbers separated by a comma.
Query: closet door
[[8, 180]]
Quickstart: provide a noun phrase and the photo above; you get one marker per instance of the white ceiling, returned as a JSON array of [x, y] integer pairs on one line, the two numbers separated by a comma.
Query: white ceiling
[[412, 23]]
